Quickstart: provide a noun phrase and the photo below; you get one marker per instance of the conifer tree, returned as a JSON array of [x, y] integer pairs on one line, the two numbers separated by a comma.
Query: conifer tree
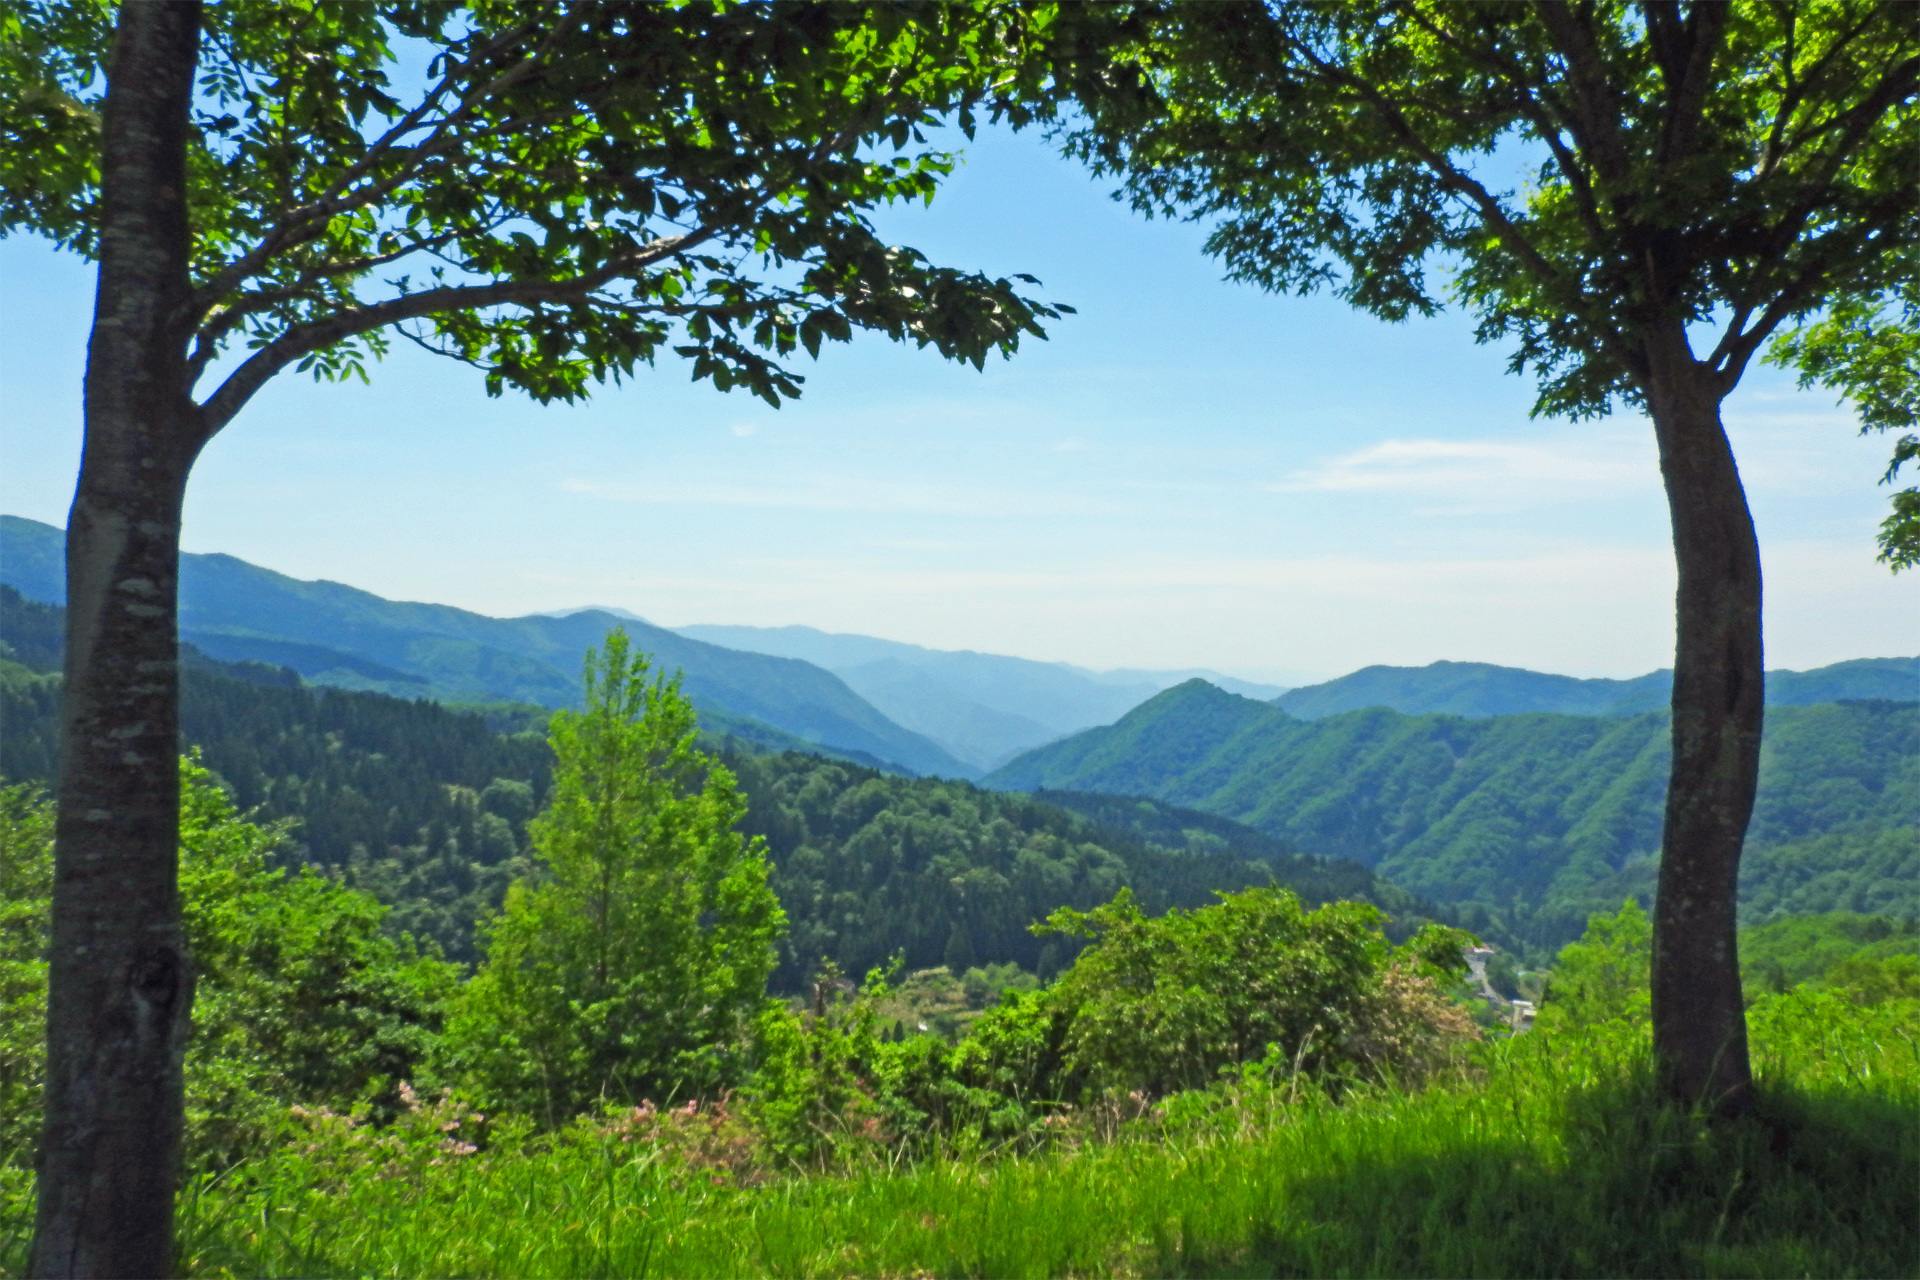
[[632, 964]]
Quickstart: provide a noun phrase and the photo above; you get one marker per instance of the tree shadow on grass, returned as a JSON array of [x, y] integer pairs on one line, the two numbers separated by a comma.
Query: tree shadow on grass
[[1819, 1184]]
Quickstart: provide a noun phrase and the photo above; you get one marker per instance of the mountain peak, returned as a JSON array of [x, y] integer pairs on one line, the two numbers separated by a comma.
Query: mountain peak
[[611, 610]]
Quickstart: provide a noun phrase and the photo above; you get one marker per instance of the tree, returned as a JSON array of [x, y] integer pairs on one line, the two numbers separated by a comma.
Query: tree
[[1697, 175], [562, 191], [634, 965]]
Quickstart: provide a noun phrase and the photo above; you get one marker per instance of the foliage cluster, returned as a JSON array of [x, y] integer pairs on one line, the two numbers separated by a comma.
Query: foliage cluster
[[1860, 961], [26, 887], [1872, 957], [1152, 1007]]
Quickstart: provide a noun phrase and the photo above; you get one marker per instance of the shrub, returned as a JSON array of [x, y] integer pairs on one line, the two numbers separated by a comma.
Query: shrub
[[300, 994], [1161, 1005], [1150, 1008], [1605, 976]]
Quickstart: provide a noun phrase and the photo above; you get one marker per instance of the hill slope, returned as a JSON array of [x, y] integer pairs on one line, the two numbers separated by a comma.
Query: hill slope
[[940, 872], [1482, 689], [1539, 818], [346, 638]]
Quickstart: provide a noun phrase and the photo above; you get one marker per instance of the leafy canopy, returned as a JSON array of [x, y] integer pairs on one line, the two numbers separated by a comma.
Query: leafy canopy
[[1596, 182], [550, 192]]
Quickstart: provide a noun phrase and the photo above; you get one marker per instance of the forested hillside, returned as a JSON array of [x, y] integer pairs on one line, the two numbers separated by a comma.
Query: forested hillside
[[342, 637], [1533, 819], [868, 864]]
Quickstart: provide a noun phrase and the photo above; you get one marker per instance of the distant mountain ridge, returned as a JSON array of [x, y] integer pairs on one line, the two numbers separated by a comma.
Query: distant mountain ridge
[[1537, 818], [954, 713], [346, 638], [984, 707], [1482, 689]]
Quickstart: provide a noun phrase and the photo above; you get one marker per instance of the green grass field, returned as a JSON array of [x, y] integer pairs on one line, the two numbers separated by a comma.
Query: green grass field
[[1549, 1160]]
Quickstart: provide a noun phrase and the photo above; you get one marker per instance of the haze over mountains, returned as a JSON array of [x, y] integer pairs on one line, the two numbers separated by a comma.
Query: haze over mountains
[[340, 636], [927, 711], [983, 707]]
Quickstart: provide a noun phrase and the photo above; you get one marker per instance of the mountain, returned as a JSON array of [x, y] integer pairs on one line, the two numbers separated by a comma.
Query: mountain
[[1537, 818], [985, 708], [625, 615], [1482, 689], [426, 808], [346, 638]]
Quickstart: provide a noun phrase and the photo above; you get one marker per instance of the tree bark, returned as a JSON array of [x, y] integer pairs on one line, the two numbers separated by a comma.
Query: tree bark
[[1699, 1017], [122, 981]]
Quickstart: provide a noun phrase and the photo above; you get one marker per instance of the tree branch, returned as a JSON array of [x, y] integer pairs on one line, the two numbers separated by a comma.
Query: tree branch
[[300, 225], [1536, 112], [1790, 300], [1795, 87], [1690, 77], [1491, 214], [223, 321], [1858, 121], [304, 339], [1596, 114]]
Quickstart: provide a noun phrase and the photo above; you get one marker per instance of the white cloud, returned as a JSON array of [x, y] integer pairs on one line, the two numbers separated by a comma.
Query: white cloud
[[1496, 469]]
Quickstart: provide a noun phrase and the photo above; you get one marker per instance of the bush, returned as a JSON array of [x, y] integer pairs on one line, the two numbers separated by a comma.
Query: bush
[[1156, 1006], [301, 996], [1605, 976], [1151, 1007]]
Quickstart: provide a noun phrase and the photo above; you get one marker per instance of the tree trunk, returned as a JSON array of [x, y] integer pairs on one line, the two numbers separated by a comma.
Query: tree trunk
[[122, 981], [1699, 1018]]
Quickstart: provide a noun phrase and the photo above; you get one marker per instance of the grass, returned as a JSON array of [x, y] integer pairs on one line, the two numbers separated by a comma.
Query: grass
[[1552, 1161]]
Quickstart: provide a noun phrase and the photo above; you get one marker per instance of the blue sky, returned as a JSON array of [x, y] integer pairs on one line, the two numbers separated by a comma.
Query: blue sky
[[1190, 473]]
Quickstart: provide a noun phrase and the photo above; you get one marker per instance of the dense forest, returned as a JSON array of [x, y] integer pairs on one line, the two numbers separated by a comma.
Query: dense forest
[[868, 865], [426, 807], [1527, 821]]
